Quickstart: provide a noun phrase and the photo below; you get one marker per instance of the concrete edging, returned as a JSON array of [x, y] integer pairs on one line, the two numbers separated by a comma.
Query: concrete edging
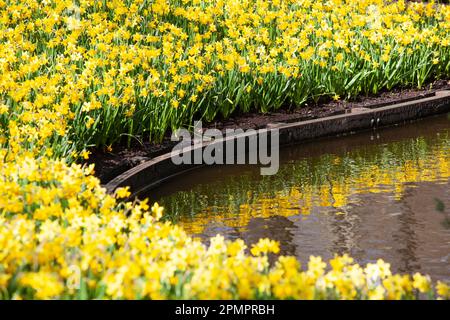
[[152, 173]]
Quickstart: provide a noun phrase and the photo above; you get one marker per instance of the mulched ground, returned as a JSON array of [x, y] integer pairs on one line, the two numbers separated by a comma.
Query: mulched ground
[[110, 164]]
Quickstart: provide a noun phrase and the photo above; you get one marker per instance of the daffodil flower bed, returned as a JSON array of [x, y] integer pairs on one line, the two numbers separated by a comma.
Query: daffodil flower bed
[[92, 73], [89, 73]]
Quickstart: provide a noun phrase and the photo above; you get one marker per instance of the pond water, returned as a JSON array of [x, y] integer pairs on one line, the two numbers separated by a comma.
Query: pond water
[[379, 194]]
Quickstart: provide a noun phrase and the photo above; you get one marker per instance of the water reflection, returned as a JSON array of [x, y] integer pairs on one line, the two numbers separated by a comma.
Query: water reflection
[[371, 195]]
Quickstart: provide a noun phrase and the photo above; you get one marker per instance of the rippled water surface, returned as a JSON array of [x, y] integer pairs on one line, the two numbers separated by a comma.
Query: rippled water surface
[[382, 194]]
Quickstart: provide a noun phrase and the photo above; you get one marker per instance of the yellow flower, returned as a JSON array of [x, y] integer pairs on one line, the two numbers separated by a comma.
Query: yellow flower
[[264, 246], [339, 262], [3, 108], [122, 192], [422, 283], [45, 284], [443, 290], [85, 154], [89, 122], [316, 266], [4, 278], [157, 210]]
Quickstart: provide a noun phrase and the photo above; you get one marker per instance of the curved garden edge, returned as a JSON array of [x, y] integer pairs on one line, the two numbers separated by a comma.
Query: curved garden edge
[[152, 173]]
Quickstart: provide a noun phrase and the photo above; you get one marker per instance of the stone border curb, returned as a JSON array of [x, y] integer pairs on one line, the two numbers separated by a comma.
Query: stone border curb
[[152, 173]]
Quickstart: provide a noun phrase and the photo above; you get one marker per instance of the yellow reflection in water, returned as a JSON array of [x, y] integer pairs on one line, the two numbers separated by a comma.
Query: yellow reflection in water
[[333, 192]]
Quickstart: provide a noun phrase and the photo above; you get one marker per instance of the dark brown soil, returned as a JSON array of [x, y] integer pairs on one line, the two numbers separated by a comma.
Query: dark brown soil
[[110, 164]]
